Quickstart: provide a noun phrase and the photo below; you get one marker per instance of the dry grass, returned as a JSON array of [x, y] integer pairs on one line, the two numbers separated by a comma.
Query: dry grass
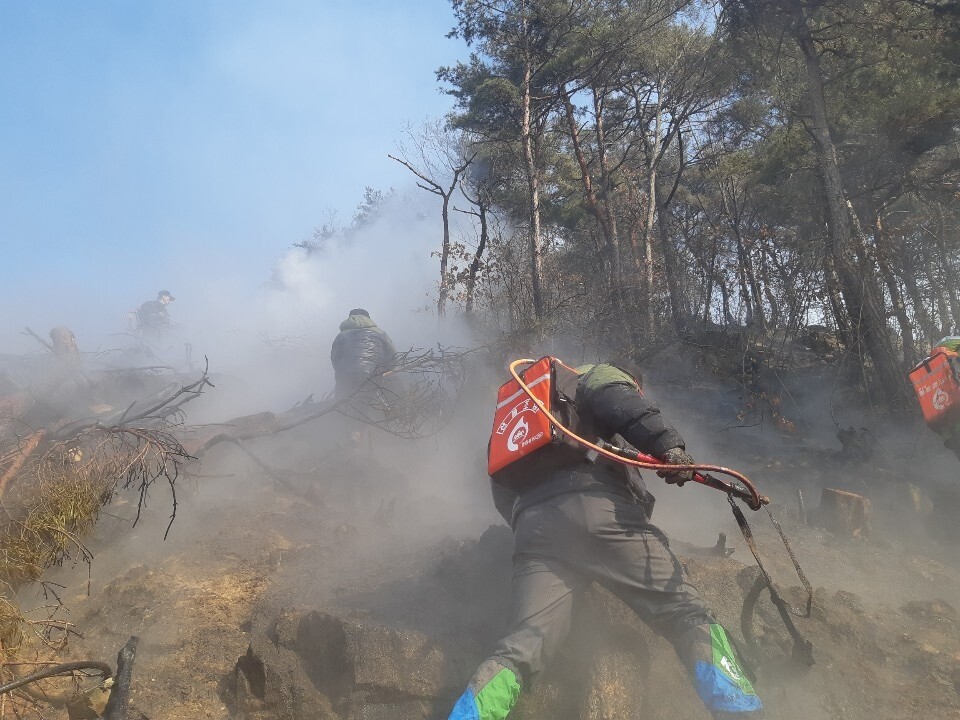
[[55, 503], [54, 482]]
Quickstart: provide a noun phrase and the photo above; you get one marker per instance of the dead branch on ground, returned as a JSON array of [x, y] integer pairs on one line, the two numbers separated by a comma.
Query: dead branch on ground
[[55, 480], [413, 399]]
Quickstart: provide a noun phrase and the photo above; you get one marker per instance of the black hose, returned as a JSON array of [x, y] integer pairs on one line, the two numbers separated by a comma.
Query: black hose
[[105, 670]]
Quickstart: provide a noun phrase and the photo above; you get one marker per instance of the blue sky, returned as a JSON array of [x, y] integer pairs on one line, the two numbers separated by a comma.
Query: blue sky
[[143, 144]]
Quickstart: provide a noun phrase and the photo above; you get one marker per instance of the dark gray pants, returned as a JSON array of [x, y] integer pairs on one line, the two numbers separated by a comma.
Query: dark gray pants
[[567, 541]]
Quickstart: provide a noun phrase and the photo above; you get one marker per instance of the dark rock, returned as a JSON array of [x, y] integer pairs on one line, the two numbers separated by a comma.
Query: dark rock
[[283, 630], [335, 665], [388, 664], [251, 678], [857, 446]]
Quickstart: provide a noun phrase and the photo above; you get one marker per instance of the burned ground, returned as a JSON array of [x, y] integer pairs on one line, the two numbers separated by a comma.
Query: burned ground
[[350, 577], [293, 610]]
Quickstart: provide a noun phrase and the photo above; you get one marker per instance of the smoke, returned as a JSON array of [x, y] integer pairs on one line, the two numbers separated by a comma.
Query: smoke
[[266, 331], [268, 344], [267, 336], [277, 334], [792, 447]]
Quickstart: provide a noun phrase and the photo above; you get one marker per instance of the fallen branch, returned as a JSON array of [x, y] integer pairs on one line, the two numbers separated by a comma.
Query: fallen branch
[[164, 404], [23, 454], [40, 340], [62, 669], [399, 401]]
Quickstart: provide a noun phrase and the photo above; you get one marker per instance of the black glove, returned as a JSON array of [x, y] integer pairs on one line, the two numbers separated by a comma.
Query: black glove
[[677, 456]]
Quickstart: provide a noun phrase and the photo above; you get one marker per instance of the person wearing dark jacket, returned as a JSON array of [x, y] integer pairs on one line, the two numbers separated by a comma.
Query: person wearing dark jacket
[[152, 316], [577, 521], [360, 351]]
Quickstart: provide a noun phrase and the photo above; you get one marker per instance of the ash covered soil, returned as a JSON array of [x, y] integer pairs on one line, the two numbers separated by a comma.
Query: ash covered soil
[[366, 580]]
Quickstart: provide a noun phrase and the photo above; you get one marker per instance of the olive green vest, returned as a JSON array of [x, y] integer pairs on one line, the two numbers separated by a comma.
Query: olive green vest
[[594, 377]]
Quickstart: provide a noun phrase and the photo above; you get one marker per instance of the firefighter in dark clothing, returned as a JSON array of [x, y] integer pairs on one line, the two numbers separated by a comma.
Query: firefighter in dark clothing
[[577, 521], [361, 350], [152, 316]]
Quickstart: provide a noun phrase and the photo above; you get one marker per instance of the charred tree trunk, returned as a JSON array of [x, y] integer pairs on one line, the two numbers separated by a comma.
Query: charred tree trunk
[[764, 279], [746, 296], [908, 276], [749, 289], [599, 207], [475, 262], [707, 297], [637, 252], [611, 234], [857, 285], [940, 293], [638, 219], [728, 318], [839, 311], [710, 271], [444, 258], [948, 274], [896, 297], [678, 309]]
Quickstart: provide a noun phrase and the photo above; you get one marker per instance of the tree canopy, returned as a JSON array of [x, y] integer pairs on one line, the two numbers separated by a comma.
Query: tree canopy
[[651, 167]]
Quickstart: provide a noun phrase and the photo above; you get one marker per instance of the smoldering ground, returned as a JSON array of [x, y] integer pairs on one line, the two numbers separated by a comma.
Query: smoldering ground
[[268, 348], [392, 537], [267, 343], [389, 530], [796, 448]]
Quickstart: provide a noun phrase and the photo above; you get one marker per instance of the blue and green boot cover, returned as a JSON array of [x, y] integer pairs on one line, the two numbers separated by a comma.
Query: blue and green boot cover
[[721, 683], [491, 694]]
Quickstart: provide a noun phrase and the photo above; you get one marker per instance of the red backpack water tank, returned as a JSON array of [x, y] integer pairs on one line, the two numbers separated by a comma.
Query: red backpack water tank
[[519, 426], [936, 381]]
